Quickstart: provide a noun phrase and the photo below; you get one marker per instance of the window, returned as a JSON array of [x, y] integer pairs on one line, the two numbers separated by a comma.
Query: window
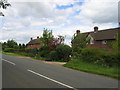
[[91, 41], [104, 42]]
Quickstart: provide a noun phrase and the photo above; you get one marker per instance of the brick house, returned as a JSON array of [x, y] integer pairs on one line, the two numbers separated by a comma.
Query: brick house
[[99, 38], [34, 43]]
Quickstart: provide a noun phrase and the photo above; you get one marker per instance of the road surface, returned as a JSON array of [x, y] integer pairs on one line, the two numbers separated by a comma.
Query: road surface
[[25, 73]]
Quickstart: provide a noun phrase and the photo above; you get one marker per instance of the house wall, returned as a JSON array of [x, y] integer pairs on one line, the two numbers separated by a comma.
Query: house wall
[[99, 44], [33, 46]]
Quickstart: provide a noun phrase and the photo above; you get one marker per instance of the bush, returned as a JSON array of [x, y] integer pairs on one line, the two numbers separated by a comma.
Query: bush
[[53, 55], [8, 50], [91, 54], [98, 56], [44, 53], [111, 59], [63, 52]]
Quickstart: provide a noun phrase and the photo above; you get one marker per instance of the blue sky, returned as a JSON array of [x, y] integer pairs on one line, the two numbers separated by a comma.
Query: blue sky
[[27, 18]]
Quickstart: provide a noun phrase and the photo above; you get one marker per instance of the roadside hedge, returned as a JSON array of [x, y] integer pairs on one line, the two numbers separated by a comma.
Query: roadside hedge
[[8, 50], [61, 53], [99, 56]]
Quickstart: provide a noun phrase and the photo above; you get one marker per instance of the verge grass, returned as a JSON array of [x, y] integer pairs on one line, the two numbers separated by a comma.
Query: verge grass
[[93, 68], [18, 54]]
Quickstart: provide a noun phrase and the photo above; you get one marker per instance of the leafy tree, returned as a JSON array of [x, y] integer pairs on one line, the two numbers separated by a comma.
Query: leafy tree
[[79, 42], [47, 37], [4, 45], [23, 45], [11, 43], [61, 39], [20, 46], [63, 52], [4, 4], [53, 44], [56, 41], [114, 44]]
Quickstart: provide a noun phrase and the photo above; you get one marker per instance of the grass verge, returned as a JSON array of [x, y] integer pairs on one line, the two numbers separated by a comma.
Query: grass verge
[[18, 54], [92, 68]]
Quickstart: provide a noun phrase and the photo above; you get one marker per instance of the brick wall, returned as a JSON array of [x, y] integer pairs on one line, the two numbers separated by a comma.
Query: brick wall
[[33, 46], [100, 45]]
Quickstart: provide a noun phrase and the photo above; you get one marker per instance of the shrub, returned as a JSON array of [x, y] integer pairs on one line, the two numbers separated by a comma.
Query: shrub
[[53, 55], [91, 54], [44, 53], [63, 52], [101, 57], [111, 59], [8, 50]]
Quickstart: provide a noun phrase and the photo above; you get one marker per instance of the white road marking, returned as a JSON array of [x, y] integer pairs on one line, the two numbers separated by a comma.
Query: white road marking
[[9, 62], [51, 79]]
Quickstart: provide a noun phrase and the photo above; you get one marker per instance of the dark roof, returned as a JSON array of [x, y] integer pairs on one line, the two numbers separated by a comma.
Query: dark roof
[[107, 34], [34, 41]]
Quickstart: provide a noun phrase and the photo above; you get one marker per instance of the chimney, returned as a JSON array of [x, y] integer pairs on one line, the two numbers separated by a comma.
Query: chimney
[[78, 32], [37, 37], [95, 29], [31, 38]]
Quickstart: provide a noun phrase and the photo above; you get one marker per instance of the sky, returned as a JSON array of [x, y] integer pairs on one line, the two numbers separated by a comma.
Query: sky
[[27, 18]]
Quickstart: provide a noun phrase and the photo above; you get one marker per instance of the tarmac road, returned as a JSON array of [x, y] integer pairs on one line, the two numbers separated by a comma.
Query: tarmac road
[[25, 73]]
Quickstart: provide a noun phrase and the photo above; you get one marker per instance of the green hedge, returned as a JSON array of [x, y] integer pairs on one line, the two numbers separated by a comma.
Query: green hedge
[[8, 49], [61, 53], [99, 56]]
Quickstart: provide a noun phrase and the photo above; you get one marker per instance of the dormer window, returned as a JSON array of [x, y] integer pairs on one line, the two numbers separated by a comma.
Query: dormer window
[[104, 42]]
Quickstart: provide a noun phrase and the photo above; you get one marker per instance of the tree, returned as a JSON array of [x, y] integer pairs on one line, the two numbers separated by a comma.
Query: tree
[[79, 42], [4, 45], [20, 46], [23, 46], [47, 37], [11, 43], [61, 39], [4, 4], [56, 41], [61, 53], [114, 44]]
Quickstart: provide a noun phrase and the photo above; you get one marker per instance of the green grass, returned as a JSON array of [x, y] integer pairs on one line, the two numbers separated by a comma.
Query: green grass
[[14, 54], [18, 54], [92, 68]]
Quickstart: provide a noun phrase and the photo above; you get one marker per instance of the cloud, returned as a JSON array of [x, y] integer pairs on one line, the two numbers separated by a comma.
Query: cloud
[[99, 12], [27, 19]]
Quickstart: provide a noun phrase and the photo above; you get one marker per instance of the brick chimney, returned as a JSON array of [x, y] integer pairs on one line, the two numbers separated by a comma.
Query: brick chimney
[[78, 32], [31, 38], [95, 29], [37, 37]]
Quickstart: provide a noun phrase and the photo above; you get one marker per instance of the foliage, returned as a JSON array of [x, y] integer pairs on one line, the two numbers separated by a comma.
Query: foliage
[[44, 51], [101, 57], [61, 39], [53, 44], [4, 4], [12, 46], [46, 37], [91, 54], [11, 43], [77, 64], [53, 55], [8, 50], [114, 44], [63, 52], [79, 42]]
